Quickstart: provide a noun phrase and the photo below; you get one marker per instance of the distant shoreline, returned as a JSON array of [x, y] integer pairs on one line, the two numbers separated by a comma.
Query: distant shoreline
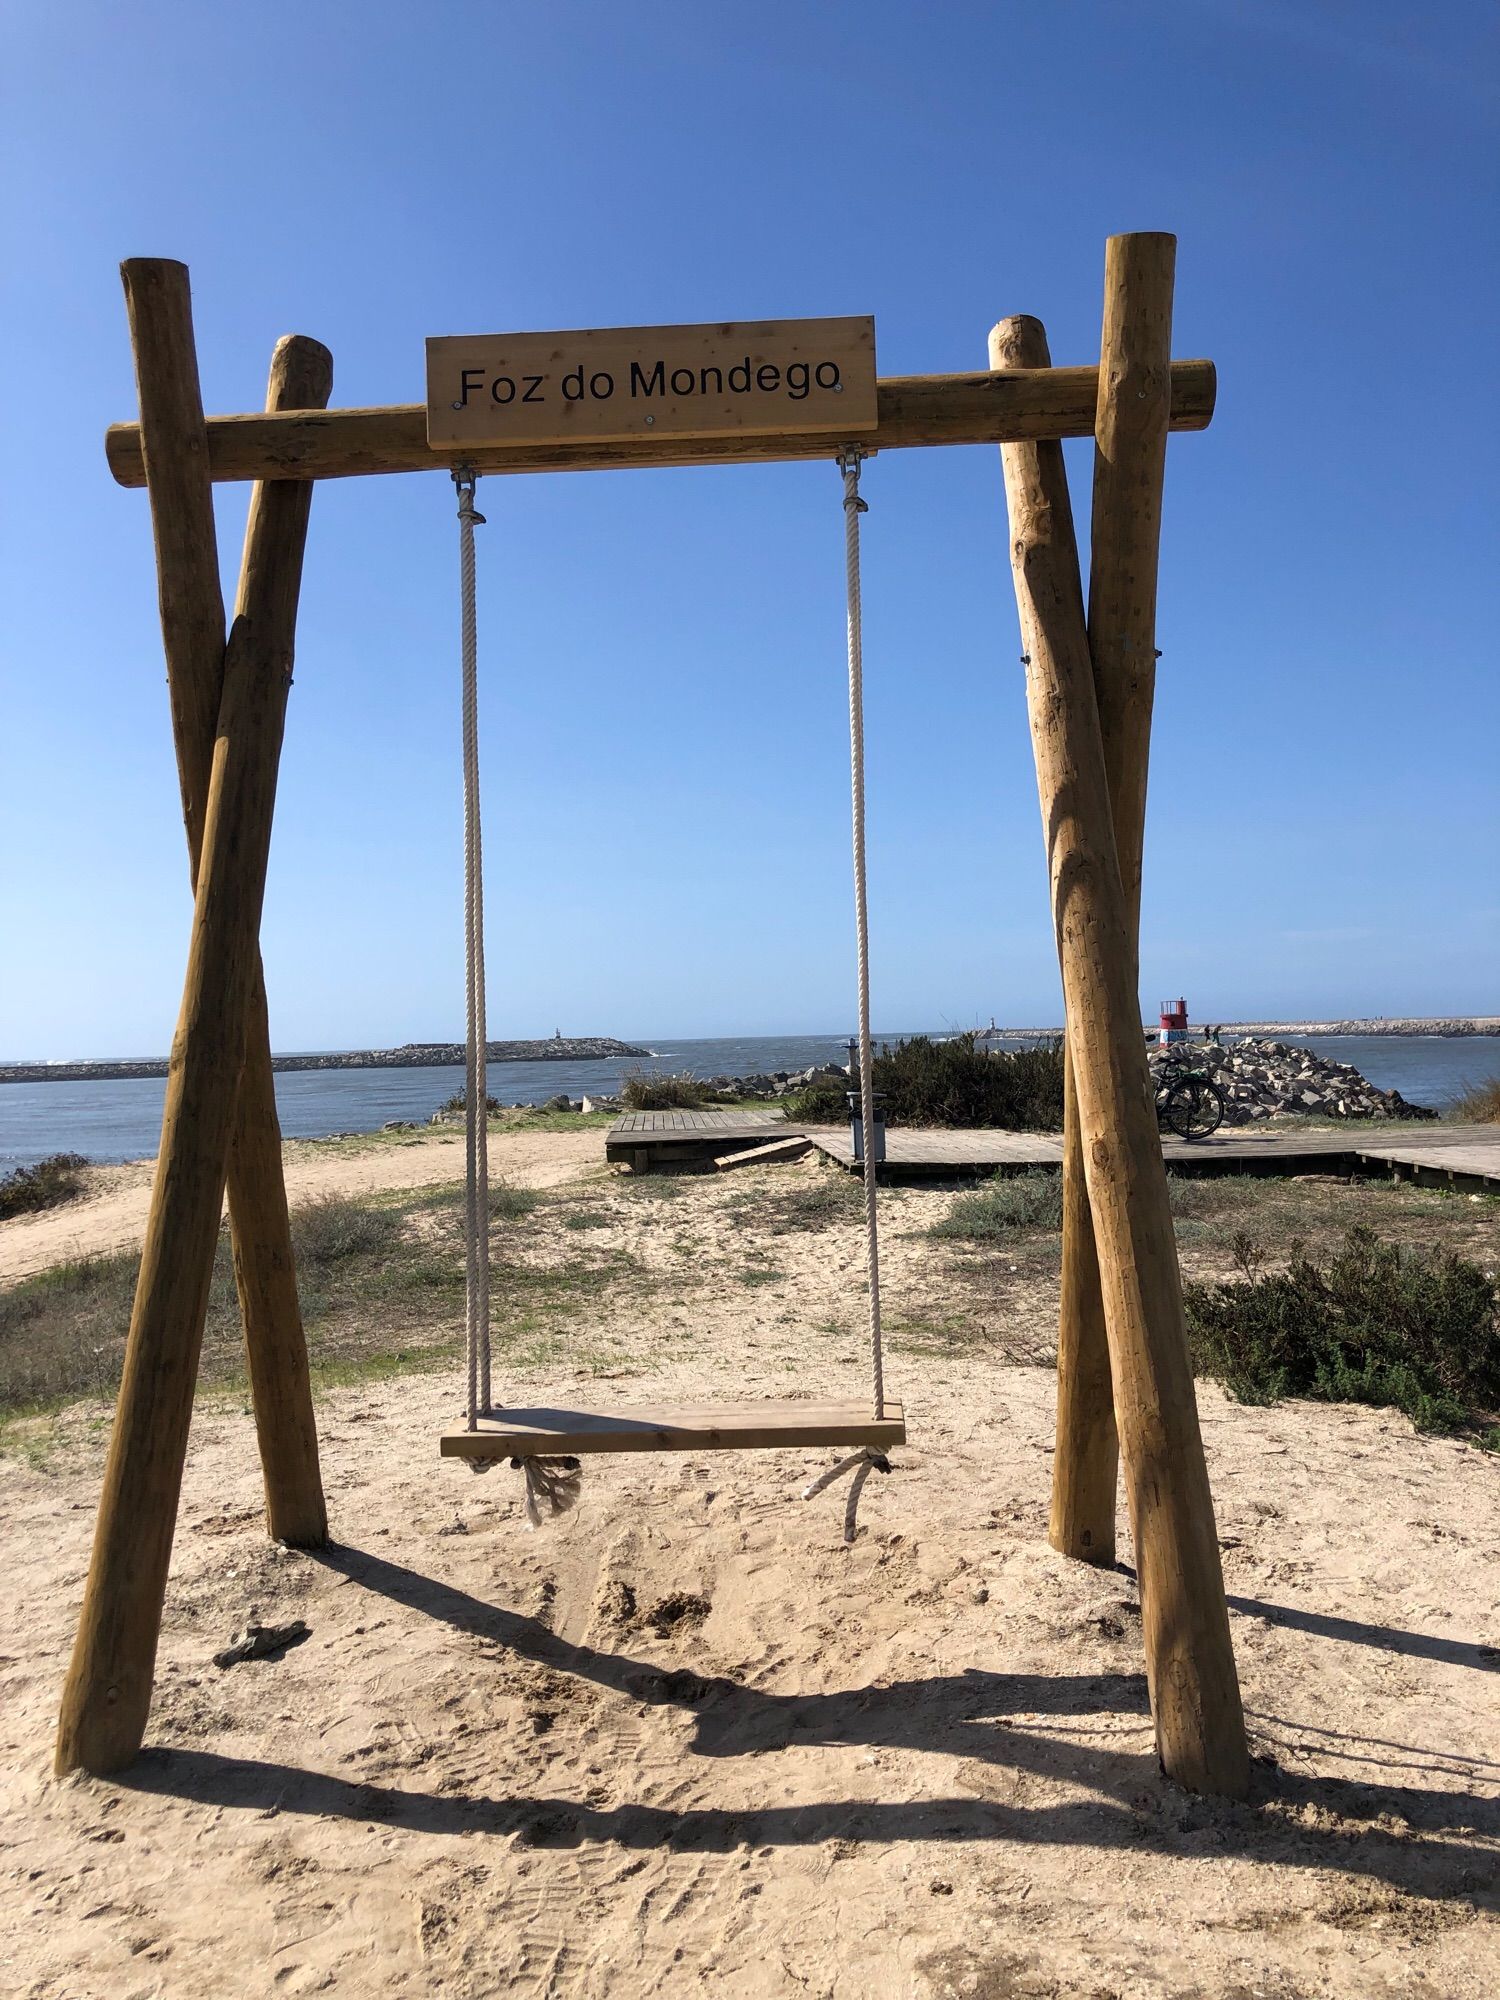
[[604, 1048], [411, 1055], [1448, 1026]]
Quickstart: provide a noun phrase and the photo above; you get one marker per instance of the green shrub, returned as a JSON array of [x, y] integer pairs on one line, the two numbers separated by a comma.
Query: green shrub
[[954, 1083], [1415, 1330], [45, 1185], [459, 1101], [819, 1104], [1004, 1206], [660, 1090], [1478, 1104]]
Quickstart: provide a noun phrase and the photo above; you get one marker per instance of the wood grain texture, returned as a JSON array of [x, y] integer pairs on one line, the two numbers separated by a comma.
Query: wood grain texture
[[174, 439], [914, 410], [107, 1694], [667, 1427], [265, 1271], [1086, 1463], [159, 306], [726, 379], [1130, 449], [1195, 1697]]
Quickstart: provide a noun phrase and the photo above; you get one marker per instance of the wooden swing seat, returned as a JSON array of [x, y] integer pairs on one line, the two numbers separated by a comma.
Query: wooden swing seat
[[554, 1433]]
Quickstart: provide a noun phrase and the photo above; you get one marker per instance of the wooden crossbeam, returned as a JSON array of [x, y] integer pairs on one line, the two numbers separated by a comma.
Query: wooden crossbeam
[[568, 1433], [983, 408]]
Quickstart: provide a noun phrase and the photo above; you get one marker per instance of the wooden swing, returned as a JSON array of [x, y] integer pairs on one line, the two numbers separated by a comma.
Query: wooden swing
[[651, 397], [531, 1435]]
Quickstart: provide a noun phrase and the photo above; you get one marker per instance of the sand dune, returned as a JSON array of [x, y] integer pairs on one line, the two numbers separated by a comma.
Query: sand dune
[[685, 1741]]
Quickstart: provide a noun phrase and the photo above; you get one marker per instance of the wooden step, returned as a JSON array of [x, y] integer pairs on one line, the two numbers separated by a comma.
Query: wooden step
[[779, 1149], [565, 1433]]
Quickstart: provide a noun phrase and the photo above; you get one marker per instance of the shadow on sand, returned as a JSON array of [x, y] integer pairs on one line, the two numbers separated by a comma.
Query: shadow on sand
[[1359, 1827]]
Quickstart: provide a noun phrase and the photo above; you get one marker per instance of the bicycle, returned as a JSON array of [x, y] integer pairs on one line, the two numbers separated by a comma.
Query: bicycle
[[1188, 1101]]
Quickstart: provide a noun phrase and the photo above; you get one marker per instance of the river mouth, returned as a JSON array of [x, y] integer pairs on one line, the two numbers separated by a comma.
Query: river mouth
[[111, 1121]]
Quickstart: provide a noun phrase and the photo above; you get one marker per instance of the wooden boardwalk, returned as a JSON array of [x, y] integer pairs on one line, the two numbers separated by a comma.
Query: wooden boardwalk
[[1438, 1156], [649, 1139], [1445, 1156]]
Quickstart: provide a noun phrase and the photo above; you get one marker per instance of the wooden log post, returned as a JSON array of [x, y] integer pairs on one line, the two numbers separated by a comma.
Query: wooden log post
[[1195, 1697], [175, 442], [107, 1694], [1130, 450]]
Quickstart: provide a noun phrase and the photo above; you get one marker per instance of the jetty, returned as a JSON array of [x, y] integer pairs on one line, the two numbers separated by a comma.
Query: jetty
[[410, 1055], [1392, 1024]]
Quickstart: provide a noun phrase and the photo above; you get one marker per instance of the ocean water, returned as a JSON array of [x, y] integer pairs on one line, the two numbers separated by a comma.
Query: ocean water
[[122, 1121]]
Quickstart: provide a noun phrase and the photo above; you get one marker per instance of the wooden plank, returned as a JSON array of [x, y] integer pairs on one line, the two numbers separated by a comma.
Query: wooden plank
[[566, 1432], [983, 408], [734, 378], [778, 1151], [1473, 1162], [690, 1124], [1190, 1669], [1433, 1141], [946, 1149], [107, 1694]]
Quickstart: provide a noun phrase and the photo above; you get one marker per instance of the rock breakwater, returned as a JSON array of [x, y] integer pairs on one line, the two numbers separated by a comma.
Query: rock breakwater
[[1449, 1025], [1260, 1078], [410, 1055]]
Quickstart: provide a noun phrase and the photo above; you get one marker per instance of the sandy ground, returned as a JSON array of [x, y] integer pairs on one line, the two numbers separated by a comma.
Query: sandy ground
[[685, 1741], [112, 1215]]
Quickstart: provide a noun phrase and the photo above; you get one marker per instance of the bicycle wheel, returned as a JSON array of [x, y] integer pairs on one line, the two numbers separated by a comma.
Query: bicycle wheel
[[1194, 1107]]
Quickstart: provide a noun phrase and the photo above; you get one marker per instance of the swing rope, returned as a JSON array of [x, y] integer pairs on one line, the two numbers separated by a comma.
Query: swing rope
[[860, 1463], [849, 464], [552, 1483], [476, 1081]]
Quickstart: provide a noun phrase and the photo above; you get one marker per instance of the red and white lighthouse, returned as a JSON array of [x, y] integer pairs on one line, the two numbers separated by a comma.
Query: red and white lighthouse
[[1174, 1021]]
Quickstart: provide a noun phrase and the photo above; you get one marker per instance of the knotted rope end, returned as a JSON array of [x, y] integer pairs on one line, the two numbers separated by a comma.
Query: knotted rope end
[[861, 1463], [552, 1487]]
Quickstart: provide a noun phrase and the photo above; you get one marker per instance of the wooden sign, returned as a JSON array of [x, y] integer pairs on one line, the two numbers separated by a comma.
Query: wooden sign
[[733, 379]]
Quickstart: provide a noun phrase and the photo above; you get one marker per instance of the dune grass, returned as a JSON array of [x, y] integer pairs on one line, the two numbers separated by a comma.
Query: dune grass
[[382, 1289], [1004, 1207], [46, 1185], [1477, 1104]]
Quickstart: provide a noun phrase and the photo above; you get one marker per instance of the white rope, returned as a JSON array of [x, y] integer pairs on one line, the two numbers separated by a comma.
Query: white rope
[[861, 1463], [476, 1082], [849, 464]]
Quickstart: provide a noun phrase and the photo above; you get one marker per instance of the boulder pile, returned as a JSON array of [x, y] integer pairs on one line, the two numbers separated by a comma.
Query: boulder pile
[[778, 1082], [1260, 1078]]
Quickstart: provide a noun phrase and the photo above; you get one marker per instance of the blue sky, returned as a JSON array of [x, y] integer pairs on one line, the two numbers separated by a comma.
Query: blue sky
[[663, 698]]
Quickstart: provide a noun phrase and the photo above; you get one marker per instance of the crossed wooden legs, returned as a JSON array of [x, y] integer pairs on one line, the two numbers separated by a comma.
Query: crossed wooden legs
[[1122, 1349], [228, 707]]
